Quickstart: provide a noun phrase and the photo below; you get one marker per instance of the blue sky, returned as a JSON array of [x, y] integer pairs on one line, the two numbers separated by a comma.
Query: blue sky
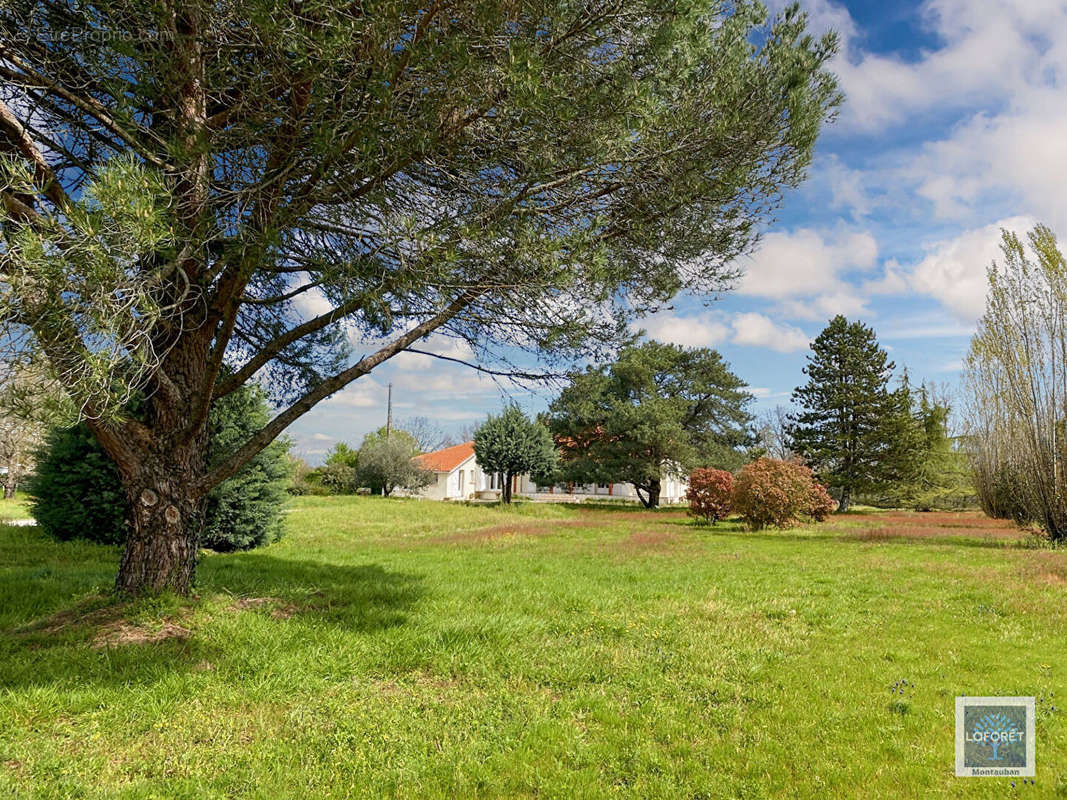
[[954, 126]]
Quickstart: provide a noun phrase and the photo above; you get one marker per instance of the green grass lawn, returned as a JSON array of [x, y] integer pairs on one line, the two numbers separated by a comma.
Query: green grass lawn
[[15, 508], [414, 649]]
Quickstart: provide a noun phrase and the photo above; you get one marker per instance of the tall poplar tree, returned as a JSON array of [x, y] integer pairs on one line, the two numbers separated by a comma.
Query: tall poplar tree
[[855, 432]]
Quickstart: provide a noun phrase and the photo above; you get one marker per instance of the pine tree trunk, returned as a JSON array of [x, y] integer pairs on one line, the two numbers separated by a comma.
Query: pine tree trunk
[[653, 493], [9, 490], [846, 500], [165, 519]]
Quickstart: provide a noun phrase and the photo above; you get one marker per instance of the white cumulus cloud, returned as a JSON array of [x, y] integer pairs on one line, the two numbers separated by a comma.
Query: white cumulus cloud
[[954, 271], [806, 262], [758, 330]]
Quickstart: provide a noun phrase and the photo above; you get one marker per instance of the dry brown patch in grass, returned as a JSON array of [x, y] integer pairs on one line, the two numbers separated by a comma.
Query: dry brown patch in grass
[[1045, 566], [76, 617], [649, 540], [108, 626], [601, 516], [121, 633], [539, 528], [16, 767], [933, 525]]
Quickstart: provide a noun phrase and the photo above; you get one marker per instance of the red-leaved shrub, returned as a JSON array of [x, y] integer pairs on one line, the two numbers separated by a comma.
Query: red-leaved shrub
[[822, 505], [710, 494], [779, 493]]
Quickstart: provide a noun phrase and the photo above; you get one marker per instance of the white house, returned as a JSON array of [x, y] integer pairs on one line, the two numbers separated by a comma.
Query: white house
[[459, 477]]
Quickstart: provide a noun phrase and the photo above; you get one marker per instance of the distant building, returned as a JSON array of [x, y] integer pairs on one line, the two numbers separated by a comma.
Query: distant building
[[459, 477]]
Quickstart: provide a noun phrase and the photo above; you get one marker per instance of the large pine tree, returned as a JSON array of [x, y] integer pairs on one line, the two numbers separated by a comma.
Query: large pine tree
[[854, 431], [658, 410]]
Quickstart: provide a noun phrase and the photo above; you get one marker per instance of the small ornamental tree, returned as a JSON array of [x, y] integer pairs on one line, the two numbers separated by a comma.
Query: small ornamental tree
[[511, 444], [75, 492], [710, 494], [779, 493], [386, 462]]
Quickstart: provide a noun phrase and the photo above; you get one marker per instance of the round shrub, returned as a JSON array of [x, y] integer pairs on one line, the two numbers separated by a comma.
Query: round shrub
[[710, 494], [822, 505], [76, 492], [245, 511], [779, 493]]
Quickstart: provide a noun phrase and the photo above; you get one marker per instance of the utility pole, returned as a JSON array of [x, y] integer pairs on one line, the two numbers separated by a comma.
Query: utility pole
[[389, 415]]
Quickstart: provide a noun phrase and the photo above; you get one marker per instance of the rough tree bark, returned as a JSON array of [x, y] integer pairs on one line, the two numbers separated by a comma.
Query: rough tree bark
[[161, 460], [165, 520], [846, 500]]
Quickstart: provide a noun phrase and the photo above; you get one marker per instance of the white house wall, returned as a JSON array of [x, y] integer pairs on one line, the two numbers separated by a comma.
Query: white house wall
[[447, 487]]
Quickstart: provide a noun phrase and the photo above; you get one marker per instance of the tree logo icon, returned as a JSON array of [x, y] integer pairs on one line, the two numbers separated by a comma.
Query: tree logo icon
[[994, 729], [994, 736]]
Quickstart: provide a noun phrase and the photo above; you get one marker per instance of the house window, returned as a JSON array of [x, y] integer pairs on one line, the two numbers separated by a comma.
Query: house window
[[461, 481]]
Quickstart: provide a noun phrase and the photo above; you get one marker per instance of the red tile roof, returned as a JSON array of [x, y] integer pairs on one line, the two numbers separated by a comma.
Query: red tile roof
[[446, 460]]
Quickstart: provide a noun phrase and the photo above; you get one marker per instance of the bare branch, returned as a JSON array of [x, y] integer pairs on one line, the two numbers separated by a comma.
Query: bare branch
[[329, 386]]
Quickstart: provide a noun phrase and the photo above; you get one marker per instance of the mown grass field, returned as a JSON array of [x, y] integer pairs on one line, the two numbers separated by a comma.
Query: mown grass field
[[395, 648], [15, 508]]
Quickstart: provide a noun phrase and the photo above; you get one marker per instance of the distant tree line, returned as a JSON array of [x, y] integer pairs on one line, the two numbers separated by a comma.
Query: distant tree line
[[383, 463]]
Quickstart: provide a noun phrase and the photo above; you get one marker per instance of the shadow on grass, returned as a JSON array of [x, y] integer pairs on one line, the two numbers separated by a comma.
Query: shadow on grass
[[61, 627], [363, 597]]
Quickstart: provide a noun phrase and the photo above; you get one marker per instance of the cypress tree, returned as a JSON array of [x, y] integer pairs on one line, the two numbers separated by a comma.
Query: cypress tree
[[76, 492]]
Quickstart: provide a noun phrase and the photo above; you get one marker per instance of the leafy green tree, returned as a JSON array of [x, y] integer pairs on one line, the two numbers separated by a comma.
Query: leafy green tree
[[386, 462], [338, 474], [342, 453], [659, 409], [338, 478], [937, 475], [511, 444], [77, 492], [178, 177], [857, 434]]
